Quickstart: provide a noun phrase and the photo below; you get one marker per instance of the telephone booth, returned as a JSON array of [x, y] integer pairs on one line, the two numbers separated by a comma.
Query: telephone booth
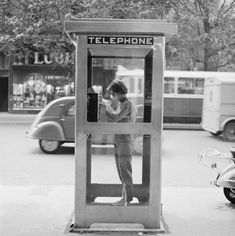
[[104, 48]]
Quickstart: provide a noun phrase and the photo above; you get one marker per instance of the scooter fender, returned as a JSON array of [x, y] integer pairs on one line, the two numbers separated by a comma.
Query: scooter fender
[[49, 130], [227, 179], [227, 169]]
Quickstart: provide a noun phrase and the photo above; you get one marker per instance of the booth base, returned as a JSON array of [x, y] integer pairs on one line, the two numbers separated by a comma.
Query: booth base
[[114, 227]]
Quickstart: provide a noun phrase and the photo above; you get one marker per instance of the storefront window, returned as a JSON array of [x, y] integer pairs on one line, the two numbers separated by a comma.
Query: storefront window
[[34, 91], [35, 86], [18, 95]]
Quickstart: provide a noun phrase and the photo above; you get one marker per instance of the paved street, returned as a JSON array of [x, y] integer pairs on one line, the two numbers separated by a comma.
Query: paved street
[[37, 189], [23, 163]]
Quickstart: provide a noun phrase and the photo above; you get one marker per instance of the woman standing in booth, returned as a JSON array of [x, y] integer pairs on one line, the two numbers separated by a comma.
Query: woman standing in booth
[[123, 111]]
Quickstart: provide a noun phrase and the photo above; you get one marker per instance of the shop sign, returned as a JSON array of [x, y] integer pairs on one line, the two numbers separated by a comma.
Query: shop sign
[[120, 40], [40, 59], [62, 58], [57, 80]]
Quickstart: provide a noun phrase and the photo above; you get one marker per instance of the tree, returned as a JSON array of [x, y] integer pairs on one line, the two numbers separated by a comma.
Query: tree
[[36, 25], [205, 35], [206, 32], [30, 25]]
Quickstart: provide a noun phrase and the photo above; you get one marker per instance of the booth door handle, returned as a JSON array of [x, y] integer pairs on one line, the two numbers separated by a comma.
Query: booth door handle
[[62, 119]]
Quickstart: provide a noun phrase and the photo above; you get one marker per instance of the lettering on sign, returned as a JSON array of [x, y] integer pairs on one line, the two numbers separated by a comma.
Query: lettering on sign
[[57, 79], [120, 40], [59, 59], [40, 59]]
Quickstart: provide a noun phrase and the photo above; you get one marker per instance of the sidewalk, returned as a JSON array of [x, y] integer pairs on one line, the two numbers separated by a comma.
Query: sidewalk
[[47, 211], [10, 118]]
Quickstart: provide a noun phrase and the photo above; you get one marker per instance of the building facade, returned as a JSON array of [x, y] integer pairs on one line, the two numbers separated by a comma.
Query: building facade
[[36, 80], [29, 83]]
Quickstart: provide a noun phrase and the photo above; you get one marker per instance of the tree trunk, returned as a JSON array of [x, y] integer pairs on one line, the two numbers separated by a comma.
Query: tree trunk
[[206, 60]]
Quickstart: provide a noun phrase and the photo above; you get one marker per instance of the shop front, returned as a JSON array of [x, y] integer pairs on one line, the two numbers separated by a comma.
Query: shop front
[[34, 85]]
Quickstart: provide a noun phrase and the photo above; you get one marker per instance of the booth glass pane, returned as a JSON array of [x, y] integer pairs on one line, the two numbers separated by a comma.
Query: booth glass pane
[[103, 165], [133, 73], [108, 157]]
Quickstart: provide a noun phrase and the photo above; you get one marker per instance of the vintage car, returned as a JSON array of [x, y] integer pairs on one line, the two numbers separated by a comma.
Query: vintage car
[[55, 125]]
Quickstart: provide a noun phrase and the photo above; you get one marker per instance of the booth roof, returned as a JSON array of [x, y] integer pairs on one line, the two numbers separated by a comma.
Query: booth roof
[[120, 26]]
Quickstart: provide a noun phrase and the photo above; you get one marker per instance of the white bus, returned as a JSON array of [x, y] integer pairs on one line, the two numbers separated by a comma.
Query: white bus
[[183, 92]]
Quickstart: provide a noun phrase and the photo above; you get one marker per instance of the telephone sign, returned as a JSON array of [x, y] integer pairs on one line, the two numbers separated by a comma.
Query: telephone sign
[[120, 40]]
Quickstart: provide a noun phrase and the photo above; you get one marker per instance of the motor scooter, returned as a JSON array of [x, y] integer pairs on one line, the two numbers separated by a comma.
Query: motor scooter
[[226, 175]]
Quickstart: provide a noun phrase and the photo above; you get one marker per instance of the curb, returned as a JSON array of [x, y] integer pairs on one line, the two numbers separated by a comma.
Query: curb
[[8, 118], [175, 126]]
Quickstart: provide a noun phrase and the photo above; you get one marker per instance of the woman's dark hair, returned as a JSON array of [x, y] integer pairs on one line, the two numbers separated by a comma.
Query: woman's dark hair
[[117, 86]]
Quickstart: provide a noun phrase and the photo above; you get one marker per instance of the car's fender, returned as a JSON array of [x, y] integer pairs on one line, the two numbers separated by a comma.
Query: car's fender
[[227, 121], [50, 130]]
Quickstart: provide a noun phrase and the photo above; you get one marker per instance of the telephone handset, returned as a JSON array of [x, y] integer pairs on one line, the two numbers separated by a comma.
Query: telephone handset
[[92, 107]]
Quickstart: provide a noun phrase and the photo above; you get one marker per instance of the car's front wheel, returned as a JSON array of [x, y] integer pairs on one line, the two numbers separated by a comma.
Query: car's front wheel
[[49, 146], [138, 145], [229, 132]]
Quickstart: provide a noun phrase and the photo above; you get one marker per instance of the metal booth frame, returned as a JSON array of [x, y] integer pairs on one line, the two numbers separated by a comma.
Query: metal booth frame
[[148, 215]]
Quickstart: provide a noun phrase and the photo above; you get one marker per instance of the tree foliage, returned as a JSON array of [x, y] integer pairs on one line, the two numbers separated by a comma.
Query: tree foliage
[[206, 32], [34, 24], [206, 27]]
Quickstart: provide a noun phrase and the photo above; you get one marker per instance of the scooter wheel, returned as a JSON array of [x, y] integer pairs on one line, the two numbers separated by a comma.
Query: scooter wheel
[[230, 194]]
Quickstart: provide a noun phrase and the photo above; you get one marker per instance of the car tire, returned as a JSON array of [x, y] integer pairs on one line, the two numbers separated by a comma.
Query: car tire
[[49, 146], [229, 132], [138, 145], [230, 194]]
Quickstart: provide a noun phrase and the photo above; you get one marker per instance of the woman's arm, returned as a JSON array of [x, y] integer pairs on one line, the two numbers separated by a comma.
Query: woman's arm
[[123, 111]]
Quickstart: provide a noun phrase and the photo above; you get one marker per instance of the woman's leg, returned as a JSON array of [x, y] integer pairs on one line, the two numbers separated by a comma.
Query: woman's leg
[[125, 167], [117, 161]]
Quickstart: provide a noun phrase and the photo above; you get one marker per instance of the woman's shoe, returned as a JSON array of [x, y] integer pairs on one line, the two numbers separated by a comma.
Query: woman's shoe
[[121, 202]]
